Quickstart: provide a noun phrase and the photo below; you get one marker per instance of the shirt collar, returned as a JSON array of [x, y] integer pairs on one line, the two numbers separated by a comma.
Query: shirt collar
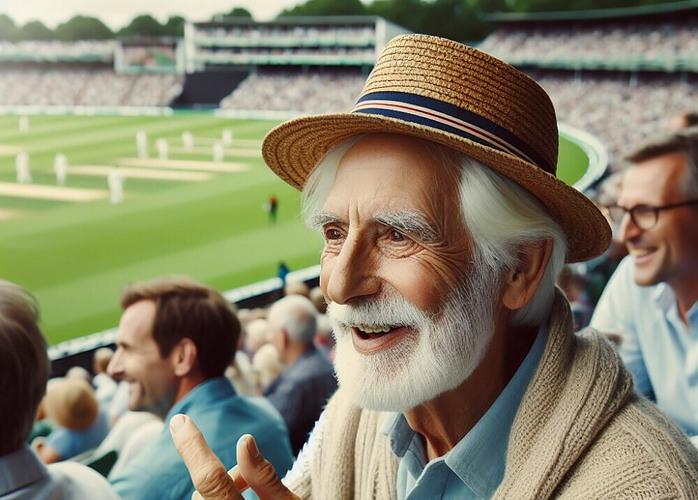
[[666, 300], [206, 392], [19, 469], [479, 459]]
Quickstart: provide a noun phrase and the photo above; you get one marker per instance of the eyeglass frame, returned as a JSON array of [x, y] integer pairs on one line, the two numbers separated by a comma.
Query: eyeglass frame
[[649, 208]]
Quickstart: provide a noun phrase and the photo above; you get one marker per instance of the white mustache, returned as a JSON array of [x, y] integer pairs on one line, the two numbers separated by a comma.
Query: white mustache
[[390, 311]]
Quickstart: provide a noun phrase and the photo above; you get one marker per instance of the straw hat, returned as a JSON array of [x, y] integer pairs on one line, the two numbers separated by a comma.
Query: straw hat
[[71, 403], [452, 94]]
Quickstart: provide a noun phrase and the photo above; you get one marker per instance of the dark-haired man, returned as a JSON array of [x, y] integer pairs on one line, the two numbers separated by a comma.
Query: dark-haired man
[[175, 340]]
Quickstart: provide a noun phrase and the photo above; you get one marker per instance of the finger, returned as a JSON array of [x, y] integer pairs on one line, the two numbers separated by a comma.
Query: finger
[[207, 472], [257, 473], [239, 481]]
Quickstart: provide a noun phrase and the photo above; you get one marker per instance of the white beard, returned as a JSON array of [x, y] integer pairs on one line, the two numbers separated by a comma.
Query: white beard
[[443, 351]]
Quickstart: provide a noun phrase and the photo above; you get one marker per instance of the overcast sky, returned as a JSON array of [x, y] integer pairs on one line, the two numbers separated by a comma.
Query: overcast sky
[[118, 13]]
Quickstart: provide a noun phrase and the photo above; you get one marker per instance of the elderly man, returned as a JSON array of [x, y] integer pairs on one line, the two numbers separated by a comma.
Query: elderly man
[[650, 301], [307, 382], [459, 372], [24, 369], [175, 340]]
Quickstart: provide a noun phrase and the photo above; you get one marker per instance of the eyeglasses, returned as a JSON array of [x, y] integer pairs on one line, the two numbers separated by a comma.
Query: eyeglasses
[[643, 216]]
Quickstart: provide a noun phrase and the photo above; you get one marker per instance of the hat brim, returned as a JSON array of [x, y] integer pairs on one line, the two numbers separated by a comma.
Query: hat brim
[[293, 149]]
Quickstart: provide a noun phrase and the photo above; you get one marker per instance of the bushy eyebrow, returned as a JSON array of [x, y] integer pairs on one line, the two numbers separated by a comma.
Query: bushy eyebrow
[[322, 219], [409, 221]]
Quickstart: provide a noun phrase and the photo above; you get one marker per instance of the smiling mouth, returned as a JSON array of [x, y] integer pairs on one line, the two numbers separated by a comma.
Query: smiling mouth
[[639, 252], [372, 331]]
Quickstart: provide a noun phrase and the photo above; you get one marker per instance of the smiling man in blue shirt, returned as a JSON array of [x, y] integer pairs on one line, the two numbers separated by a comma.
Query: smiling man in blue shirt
[[175, 340], [651, 300]]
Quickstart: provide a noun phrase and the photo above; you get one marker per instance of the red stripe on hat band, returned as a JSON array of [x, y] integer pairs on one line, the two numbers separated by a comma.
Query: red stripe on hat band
[[494, 141]]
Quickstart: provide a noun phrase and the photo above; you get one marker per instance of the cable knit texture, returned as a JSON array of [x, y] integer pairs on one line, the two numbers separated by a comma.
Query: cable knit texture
[[581, 432]]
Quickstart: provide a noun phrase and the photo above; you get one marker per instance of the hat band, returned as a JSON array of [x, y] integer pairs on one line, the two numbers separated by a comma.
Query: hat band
[[449, 118]]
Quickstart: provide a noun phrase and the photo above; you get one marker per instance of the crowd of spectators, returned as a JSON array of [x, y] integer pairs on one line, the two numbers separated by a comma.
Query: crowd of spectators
[[55, 50], [88, 417], [620, 107], [276, 35], [616, 108], [63, 85], [662, 42], [311, 92]]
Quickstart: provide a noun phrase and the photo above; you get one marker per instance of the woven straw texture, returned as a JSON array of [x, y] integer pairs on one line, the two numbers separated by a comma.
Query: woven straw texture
[[461, 76]]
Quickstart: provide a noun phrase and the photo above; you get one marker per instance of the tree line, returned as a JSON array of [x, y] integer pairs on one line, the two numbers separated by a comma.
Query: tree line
[[455, 19]]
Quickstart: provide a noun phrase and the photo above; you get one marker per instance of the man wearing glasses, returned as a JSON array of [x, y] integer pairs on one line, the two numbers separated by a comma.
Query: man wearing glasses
[[651, 300]]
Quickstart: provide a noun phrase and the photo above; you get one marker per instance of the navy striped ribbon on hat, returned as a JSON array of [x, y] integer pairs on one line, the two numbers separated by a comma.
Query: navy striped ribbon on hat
[[449, 118]]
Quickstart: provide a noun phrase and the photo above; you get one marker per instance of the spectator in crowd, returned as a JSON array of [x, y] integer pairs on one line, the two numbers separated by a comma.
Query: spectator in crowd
[[267, 366], [71, 404], [650, 301], [24, 369], [79, 372], [296, 287], [324, 338], [460, 375], [307, 382], [105, 386], [318, 299], [255, 335], [685, 119], [282, 271], [175, 339]]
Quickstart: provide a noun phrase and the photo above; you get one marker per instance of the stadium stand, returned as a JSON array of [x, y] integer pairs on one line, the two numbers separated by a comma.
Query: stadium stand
[[619, 76], [616, 73], [294, 64]]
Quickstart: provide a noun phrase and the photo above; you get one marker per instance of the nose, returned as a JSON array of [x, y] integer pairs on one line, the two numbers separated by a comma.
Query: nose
[[115, 368], [351, 273]]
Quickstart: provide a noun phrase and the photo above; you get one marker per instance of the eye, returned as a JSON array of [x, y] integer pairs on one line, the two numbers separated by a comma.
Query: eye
[[397, 236], [332, 234]]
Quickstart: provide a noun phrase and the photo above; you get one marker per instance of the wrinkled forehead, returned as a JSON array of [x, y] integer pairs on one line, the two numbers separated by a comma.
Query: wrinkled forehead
[[398, 169]]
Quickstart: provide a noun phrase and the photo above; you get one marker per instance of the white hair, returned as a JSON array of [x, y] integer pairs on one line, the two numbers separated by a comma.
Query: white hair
[[296, 315], [499, 215]]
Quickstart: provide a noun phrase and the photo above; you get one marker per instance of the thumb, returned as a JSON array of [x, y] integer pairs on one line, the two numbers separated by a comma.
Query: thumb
[[257, 473], [207, 472]]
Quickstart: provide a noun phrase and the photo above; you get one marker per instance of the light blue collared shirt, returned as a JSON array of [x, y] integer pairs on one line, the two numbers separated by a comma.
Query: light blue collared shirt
[[474, 468], [658, 348], [24, 477], [158, 472]]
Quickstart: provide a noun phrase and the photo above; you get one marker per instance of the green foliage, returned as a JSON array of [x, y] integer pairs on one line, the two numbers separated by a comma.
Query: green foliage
[[455, 19], [174, 27], [34, 30], [142, 26], [83, 28], [327, 8], [572, 5], [239, 12], [8, 29]]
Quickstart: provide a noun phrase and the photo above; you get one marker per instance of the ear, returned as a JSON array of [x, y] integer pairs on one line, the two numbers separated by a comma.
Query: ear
[[184, 357], [521, 283]]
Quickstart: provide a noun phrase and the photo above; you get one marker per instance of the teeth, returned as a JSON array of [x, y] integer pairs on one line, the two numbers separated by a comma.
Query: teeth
[[373, 328], [639, 252]]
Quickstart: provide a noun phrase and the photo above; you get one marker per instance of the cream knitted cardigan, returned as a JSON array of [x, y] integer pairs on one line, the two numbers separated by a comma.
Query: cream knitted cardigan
[[581, 432]]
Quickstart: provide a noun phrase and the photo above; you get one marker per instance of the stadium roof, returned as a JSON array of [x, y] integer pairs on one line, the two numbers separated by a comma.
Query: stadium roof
[[645, 11], [291, 21]]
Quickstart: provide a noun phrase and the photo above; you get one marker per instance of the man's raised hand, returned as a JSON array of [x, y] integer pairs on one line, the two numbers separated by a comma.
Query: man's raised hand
[[208, 474]]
